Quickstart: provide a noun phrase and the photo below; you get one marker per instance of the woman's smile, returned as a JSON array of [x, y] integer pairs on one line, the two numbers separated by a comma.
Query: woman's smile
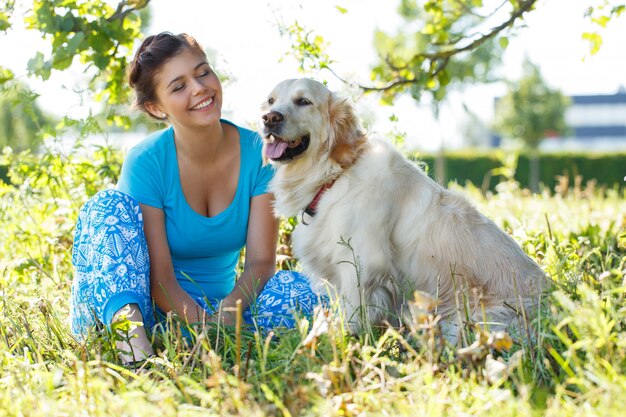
[[203, 104]]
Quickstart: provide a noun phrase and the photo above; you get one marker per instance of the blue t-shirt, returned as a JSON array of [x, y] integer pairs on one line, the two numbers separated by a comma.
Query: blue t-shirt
[[205, 250]]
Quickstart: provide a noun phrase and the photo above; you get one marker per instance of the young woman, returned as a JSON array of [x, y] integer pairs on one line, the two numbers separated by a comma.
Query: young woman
[[189, 198]]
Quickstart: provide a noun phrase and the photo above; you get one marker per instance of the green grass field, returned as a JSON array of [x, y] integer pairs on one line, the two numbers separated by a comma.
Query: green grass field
[[571, 363]]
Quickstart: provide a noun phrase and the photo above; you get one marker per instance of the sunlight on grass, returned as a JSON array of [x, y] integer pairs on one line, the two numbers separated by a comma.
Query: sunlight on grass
[[571, 362]]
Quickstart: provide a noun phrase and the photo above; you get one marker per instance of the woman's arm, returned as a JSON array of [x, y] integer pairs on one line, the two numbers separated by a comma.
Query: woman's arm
[[165, 289], [260, 261]]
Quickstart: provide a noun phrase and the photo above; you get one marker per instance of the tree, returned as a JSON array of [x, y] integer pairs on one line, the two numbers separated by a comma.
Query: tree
[[21, 119], [99, 35], [442, 42], [530, 111]]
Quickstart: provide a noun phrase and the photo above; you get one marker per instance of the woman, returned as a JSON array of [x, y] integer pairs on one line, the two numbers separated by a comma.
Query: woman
[[188, 199]]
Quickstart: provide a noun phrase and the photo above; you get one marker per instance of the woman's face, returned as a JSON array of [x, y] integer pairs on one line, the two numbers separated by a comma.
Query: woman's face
[[188, 92]]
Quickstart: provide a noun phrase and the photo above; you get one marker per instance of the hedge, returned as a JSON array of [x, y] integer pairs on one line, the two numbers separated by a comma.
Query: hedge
[[608, 169], [474, 166]]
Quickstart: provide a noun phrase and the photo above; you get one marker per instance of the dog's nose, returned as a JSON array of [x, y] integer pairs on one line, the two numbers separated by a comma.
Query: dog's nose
[[272, 118]]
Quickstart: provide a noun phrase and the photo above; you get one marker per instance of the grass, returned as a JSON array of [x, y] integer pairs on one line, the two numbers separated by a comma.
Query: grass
[[575, 364]]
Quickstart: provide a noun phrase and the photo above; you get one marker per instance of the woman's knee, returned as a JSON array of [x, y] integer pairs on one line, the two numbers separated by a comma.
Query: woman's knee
[[112, 201], [108, 210]]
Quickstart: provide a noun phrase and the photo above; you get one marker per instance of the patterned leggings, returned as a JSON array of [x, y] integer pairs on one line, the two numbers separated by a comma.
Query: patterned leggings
[[112, 269]]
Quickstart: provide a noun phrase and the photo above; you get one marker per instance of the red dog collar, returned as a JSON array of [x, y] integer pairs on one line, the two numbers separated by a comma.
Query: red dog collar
[[311, 208]]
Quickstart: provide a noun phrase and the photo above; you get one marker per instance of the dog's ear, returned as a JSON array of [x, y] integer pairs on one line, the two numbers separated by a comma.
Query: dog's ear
[[346, 138]]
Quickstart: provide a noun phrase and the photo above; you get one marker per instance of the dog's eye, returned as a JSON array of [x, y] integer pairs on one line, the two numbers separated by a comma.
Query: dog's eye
[[270, 100], [303, 102]]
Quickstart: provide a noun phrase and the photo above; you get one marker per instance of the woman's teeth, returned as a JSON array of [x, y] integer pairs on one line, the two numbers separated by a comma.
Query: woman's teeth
[[203, 104]]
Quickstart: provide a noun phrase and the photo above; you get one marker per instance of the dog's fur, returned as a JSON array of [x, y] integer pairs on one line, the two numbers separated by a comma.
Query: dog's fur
[[408, 232]]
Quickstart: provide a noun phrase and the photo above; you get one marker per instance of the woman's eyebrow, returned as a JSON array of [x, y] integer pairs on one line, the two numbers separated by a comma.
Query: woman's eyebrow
[[180, 76]]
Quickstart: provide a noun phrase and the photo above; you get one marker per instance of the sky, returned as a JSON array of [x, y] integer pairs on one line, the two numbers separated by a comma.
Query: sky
[[245, 40]]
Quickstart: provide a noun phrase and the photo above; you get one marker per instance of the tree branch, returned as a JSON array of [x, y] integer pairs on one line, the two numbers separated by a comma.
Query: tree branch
[[444, 56], [471, 12], [122, 11], [524, 7]]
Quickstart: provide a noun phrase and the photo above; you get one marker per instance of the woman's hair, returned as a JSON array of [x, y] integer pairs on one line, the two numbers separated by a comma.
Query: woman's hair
[[155, 51]]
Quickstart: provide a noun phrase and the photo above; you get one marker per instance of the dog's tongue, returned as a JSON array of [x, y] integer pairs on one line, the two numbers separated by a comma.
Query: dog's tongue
[[275, 149]]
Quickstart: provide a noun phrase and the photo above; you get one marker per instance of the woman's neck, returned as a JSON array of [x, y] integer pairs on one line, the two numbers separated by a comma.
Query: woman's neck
[[202, 145]]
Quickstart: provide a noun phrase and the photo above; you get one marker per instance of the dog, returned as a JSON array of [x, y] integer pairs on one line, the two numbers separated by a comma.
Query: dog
[[375, 228]]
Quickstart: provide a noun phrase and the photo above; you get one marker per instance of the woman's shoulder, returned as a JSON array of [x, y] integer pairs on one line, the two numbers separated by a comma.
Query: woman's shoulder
[[247, 137], [155, 143]]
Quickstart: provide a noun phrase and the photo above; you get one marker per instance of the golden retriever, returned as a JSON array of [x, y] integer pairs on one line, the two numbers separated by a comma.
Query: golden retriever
[[401, 230]]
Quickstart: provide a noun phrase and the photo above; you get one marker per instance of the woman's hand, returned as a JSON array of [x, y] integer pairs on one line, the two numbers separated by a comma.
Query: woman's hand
[[165, 289], [260, 262], [227, 318]]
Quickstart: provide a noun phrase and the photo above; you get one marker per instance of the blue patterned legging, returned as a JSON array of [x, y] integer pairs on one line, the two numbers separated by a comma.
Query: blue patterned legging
[[112, 269]]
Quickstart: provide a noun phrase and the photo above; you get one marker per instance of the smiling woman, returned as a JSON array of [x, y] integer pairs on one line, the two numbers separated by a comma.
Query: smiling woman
[[188, 199], [155, 70]]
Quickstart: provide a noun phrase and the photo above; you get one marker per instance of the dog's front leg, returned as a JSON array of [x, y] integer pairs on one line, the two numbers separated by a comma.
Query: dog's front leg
[[363, 307], [366, 286], [352, 310]]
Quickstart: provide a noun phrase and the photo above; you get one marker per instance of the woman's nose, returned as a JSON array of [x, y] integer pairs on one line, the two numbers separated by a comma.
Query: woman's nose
[[198, 87]]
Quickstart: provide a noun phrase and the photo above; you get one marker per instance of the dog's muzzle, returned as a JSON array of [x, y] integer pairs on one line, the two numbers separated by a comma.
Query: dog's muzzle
[[276, 147]]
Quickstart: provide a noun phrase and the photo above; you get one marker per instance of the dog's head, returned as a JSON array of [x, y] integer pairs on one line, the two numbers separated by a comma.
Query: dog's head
[[303, 120]]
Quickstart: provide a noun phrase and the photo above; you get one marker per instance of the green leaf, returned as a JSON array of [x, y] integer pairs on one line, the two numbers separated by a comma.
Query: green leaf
[[101, 61], [595, 41], [504, 42], [5, 75], [342, 10], [67, 22], [601, 20], [74, 44], [39, 66], [4, 21], [429, 29], [62, 60]]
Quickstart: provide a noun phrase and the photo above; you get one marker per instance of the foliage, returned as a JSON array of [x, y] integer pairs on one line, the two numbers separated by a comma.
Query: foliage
[[92, 30], [601, 12], [308, 49], [21, 119], [5, 11], [581, 170], [442, 42], [39, 206], [573, 359], [99, 35], [531, 110]]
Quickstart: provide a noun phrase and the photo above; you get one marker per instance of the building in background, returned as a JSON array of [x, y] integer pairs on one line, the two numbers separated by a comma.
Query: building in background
[[596, 122]]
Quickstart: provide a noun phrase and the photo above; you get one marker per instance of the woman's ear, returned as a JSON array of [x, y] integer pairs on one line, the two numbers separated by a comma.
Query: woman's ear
[[346, 136], [155, 110]]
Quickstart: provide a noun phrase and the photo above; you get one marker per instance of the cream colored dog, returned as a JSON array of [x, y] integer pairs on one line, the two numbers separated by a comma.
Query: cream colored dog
[[407, 232]]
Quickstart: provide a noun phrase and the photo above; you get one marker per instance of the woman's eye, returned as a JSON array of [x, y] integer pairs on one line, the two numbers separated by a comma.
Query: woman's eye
[[204, 74], [303, 102], [178, 87]]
